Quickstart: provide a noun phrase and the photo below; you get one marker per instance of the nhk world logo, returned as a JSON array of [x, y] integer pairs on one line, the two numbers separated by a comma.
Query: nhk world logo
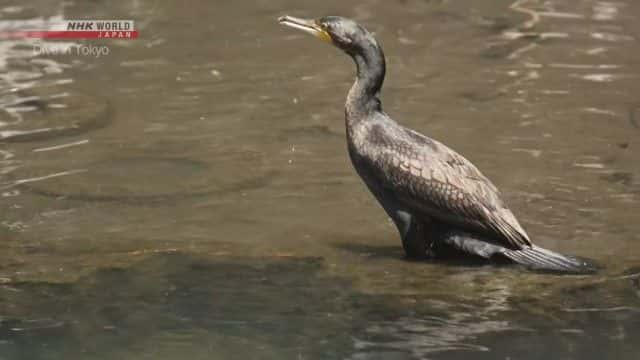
[[70, 29]]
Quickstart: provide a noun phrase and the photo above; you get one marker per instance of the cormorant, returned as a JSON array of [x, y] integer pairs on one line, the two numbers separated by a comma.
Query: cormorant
[[439, 201]]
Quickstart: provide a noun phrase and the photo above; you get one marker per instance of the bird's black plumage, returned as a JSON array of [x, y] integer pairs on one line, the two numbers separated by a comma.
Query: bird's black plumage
[[435, 196]]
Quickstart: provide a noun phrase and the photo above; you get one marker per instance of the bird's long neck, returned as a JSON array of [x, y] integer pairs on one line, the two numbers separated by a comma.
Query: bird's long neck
[[363, 96]]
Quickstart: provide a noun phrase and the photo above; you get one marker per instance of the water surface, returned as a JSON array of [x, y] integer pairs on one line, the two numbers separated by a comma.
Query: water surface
[[189, 194]]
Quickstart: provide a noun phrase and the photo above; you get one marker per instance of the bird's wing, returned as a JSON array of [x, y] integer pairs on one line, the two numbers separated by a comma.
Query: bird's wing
[[428, 177]]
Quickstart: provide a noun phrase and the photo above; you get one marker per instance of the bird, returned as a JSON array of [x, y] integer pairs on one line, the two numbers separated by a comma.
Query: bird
[[440, 203]]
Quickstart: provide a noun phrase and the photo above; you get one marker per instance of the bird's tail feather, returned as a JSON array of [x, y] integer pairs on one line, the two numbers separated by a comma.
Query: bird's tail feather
[[540, 259]]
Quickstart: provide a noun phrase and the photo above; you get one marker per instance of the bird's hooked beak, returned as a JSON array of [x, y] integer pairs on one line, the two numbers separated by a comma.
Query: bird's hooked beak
[[310, 26]]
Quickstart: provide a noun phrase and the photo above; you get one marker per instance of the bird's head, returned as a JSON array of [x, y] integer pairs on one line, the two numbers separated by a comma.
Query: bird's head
[[344, 33]]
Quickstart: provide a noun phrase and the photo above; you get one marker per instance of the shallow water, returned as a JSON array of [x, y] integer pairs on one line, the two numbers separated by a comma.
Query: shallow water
[[189, 195]]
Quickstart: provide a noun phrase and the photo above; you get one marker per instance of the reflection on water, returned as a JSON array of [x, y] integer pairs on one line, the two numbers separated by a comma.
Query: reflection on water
[[163, 305], [189, 195], [232, 307]]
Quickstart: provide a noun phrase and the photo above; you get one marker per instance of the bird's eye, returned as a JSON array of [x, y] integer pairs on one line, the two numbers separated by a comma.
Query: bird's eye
[[325, 26]]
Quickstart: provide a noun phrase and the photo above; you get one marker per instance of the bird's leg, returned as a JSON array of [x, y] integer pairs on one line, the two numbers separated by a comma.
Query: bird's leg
[[415, 235]]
